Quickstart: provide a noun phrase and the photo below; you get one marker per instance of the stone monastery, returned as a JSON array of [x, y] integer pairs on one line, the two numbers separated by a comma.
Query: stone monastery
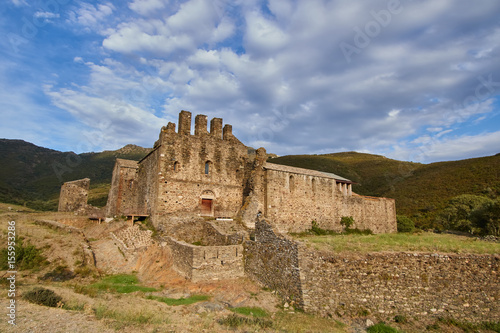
[[213, 174], [222, 211]]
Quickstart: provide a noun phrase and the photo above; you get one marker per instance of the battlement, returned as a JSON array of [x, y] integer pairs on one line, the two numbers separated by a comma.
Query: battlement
[[200, 126]]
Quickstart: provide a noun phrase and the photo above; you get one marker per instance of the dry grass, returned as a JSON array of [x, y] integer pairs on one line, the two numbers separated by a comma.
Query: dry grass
[[402, 242]]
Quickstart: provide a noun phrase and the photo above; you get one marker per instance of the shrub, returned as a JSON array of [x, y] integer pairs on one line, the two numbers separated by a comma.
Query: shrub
[[59, 274], [27, 256], [405, 224], [42, 296], [347, 222]]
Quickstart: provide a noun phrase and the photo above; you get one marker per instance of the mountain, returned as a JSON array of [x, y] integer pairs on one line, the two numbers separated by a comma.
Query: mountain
[[33, 175], [421, 190]]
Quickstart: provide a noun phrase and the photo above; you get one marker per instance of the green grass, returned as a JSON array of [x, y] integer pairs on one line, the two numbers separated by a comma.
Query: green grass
[[122, 283], [422, 242], [381, 328], [180, 301], [251, 311]]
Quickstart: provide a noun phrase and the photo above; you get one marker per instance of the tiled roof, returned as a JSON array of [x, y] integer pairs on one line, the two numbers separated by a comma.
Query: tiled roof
[[301, 171]]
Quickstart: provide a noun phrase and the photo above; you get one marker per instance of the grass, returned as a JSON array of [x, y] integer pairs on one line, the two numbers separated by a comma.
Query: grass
[[122, 283], [422, 242], [251, 311], [236, 321], [381, 328], [124, 316], [303, 322], [180, 301]]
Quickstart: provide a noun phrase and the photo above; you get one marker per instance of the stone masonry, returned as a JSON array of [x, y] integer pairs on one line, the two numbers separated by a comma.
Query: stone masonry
[[382, 285], [74, 195], [211, 173]]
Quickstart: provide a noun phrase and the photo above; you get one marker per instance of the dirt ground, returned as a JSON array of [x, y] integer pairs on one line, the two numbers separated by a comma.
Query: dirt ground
[[87, 249]]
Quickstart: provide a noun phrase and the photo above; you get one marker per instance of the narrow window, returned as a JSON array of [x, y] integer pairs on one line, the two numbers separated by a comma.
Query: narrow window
[[291, 184], [314, 186], [176, 166], [207, 168]]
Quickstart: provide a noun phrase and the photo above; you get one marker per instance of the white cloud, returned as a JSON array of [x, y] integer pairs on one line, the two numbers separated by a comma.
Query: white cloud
[[47, 16], [146, 7], [92, 17]]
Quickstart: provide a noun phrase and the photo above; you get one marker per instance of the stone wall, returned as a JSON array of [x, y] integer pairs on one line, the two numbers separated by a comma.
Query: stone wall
[[380, 285], [122, 194], [186, 168], [464, 287], [273, 261], [199, 263], [293, 201], [74, 195]]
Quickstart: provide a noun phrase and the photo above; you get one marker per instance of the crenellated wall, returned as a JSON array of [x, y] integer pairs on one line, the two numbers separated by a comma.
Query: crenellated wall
[[191, 168]]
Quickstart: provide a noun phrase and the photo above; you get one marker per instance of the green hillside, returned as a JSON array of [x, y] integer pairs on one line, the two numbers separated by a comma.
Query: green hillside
[[32, 175], [421, 190]]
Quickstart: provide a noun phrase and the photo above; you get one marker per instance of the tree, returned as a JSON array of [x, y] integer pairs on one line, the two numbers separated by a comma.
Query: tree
[[457, 215], [487, 218], [405, 224]]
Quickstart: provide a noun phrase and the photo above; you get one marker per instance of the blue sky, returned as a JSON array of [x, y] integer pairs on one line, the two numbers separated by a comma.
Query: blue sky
[[414, 80]]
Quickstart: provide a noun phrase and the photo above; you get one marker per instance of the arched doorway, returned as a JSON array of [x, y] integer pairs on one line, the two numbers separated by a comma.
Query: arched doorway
[[207, 203]]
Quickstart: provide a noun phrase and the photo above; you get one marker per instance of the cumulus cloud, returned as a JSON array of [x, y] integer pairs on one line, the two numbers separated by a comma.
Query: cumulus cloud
[[276, 70]]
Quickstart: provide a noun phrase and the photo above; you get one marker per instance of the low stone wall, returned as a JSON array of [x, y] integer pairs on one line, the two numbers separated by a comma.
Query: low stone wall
[[199, 263], [274, 261], [205, 233], [464, 287], [380, 285]]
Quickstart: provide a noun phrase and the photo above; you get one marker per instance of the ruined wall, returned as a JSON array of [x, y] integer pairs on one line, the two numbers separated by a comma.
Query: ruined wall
[[146, 194], [273, 260], [199, 263], [423, 285], [293, 201], [74, 195], [122, 198]]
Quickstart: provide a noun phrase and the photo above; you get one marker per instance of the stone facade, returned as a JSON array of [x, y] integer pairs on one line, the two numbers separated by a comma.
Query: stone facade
[[199, 263], [74, 195], [211, 173], [380, 285]]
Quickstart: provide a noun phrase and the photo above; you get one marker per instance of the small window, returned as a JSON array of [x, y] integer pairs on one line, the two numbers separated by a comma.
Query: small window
[[291, 184], [207, 167], [177, 166], [314, 186]]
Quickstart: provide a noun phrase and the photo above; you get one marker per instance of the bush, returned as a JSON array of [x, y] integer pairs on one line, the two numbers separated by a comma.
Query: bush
[[405, 224], [43, 296], [59, 274], [347, 222], [27, 256]]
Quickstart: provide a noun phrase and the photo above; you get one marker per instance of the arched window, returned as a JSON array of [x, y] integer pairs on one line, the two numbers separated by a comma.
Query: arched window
[[291, 184], [207, 167]]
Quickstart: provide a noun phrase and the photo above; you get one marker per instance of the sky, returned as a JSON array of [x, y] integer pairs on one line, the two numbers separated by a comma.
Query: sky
[[413, 80]]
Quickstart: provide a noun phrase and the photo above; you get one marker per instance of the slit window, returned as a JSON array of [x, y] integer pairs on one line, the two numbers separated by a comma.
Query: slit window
[[207, 168]]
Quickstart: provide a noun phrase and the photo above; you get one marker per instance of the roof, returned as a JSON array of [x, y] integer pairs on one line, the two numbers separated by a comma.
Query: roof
[[309, 172]]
